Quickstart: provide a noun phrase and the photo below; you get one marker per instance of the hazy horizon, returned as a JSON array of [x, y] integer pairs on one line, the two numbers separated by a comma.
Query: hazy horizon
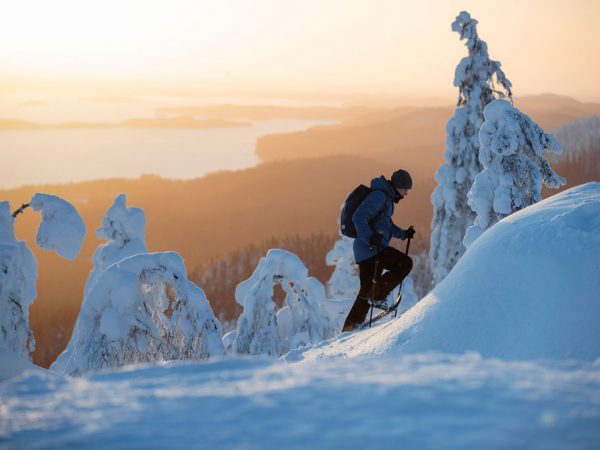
[[384, 47]]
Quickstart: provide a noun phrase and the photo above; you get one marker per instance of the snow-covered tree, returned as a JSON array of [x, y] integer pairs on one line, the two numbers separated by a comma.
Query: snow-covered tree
[[61, 230], [479, 80], [514, 166], [142, 309], [309, 322], [18, 272], [344, 282], [124, 229]]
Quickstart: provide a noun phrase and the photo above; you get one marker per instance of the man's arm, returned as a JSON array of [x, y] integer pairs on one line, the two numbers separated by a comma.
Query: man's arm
[[398, 232], [370, 207]]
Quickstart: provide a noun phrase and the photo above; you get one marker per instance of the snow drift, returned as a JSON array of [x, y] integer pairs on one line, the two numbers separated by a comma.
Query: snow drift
[[528, 288]]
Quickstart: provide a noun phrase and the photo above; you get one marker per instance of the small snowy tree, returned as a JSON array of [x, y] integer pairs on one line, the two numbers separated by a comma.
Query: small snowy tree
[[515, 167], [142, 309], [257, 329], [18, 272], [476, 78], [124, 229], [61, 230], [344, 282]]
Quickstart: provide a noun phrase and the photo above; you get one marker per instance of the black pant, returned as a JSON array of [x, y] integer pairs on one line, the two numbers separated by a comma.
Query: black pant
[[398, 266]]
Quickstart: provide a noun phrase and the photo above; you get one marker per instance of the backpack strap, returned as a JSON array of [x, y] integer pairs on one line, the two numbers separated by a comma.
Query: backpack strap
[[380, 213]]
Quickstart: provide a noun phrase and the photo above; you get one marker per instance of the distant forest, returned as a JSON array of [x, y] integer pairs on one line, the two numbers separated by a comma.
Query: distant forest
[[220, 276]]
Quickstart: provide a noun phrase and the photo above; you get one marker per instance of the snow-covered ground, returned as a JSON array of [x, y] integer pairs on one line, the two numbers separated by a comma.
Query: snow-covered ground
[[504, 353], [414, 401]]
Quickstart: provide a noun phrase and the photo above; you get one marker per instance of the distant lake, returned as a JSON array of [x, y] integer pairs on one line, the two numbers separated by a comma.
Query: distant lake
[[64, 156]]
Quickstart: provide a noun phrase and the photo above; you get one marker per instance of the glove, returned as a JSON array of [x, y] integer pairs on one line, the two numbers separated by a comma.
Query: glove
[[376, 240], [409, 233]]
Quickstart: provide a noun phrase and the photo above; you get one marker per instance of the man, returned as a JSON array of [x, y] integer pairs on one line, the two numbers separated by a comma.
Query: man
[[374, 230]]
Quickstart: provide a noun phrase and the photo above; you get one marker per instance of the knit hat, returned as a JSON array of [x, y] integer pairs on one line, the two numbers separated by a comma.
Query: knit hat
[[401, 179]]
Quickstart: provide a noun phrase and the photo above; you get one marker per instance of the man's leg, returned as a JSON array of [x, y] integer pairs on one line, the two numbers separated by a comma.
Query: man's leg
[[361, 306], [398, 266]]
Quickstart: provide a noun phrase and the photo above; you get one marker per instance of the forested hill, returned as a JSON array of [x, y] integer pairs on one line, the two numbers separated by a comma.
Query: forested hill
[[416, 135]]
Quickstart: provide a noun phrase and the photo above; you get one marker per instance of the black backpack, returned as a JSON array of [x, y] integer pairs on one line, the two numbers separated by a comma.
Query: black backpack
[[352, 201]]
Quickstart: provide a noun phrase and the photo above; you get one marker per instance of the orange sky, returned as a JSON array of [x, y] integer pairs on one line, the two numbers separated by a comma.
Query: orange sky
[[374, 46]]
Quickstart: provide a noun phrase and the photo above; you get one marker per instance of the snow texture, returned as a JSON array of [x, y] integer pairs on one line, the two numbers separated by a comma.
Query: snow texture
[[419, 401], [124, 229], [527, 289], [477, 78], [14, 364], [514, 166], [18, 273], [344, 282], [142, 309], [62, 228], [257, 329]]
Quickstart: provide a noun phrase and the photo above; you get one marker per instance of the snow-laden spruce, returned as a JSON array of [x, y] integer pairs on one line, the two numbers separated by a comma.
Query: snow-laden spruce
[[142, 309], [514, 166], [124, 229], [344, 282], [18, 272], [479, 80], [62, 229], [257, 329]]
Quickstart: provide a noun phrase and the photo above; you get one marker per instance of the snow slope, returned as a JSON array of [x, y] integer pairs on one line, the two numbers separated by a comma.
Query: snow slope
[[528, 288], [412, 401]]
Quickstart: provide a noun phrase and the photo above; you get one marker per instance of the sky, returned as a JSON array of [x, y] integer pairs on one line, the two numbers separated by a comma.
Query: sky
[[373, 46]]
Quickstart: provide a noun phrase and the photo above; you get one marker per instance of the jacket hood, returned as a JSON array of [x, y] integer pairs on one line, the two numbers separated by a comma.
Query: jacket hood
[[381, 184]]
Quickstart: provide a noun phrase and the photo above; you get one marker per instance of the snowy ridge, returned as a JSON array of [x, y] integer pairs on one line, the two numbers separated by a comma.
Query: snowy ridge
[[526, 289]]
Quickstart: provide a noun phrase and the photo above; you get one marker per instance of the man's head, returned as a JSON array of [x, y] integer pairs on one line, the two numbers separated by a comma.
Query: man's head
[[402, 181]]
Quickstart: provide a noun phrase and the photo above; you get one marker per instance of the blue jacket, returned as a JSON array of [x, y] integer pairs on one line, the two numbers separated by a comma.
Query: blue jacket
[[377, 206]]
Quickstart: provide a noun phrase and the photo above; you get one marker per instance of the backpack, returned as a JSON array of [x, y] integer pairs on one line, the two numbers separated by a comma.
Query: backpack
[[354, 199]]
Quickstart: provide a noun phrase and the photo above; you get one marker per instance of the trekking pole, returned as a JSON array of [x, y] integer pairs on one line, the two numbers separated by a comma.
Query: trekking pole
[[400, 292], [373, 286]]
